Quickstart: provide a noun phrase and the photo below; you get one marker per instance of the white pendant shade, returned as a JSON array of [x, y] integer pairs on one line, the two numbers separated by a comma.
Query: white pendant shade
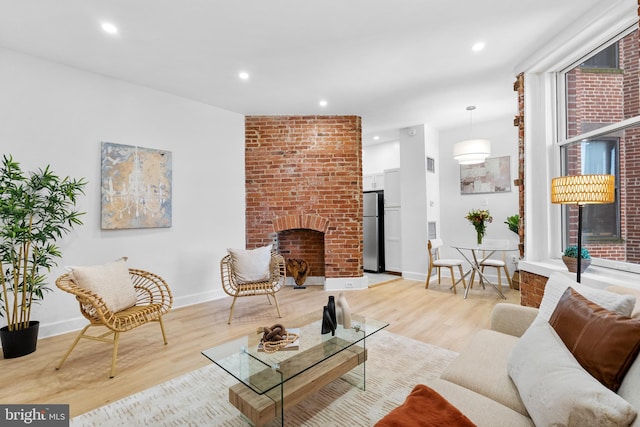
[[471, 151]]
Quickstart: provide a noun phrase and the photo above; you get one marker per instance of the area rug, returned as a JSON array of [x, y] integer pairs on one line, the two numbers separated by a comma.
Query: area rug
[[200, 398]]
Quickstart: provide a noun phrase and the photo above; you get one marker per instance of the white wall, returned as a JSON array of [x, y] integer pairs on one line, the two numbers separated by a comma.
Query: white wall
[[454, 206], [52, 114], [413, 195], [378, 157]]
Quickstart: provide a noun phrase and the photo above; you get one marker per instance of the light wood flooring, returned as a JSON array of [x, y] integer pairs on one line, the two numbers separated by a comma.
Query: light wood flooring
[[435, 316]]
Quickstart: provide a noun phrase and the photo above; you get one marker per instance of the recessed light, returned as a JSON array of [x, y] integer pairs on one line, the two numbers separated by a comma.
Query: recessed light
[[243, 75], [375, 138], [478, 47], [323, 103], [108, 27]]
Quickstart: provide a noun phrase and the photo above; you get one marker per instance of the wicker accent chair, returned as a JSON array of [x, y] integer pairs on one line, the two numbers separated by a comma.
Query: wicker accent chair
[[268, 287], [153, 300]]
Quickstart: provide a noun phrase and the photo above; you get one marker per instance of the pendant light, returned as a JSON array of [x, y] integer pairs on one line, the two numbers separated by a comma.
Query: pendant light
[[471, 151]]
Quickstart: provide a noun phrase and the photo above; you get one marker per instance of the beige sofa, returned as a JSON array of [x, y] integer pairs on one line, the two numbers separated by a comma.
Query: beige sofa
[[479, 381]]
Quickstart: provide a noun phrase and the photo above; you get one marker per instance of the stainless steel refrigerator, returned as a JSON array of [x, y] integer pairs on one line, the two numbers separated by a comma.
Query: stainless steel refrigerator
[[373, 231]]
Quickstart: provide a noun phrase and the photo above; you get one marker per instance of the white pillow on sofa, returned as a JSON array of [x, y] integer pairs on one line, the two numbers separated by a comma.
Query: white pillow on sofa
[[110, 281], [559, 282], [251, 265], [555, 389]]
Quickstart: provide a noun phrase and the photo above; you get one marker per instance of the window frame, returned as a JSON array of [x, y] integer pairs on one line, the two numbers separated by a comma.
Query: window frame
[[560, 140]]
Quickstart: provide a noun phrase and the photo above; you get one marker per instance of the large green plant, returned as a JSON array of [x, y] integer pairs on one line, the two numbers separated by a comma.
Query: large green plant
[[35, 210]]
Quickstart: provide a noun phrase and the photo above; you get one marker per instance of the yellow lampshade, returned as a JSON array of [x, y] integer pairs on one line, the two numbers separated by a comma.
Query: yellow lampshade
[[583, 189]]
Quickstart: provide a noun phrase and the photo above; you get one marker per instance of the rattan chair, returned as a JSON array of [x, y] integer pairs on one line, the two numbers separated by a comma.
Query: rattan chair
[[435, 261], [154, 299], [277, 276]]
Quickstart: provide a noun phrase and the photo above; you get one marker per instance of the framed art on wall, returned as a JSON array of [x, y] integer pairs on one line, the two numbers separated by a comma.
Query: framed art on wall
[[136, 187], [492, 176]]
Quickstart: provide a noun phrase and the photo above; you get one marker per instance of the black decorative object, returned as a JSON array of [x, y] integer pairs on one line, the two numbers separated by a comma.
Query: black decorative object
[[327, 322], [331, 305]]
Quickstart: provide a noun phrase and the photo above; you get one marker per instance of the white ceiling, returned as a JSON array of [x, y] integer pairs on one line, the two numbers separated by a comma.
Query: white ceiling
[[396, 63]]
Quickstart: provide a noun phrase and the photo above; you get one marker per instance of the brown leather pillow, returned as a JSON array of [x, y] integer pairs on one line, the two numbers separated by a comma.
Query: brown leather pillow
[[603, 342]]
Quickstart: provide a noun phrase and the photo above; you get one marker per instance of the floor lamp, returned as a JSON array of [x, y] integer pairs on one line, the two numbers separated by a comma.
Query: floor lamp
[[582, 190]]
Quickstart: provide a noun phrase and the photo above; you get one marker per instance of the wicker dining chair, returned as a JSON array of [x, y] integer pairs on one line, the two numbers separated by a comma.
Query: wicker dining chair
[[235, 288], [153, 300]]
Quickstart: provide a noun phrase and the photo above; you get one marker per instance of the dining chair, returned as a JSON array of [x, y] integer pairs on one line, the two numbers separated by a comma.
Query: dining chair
[[498, 264], [435, 261]]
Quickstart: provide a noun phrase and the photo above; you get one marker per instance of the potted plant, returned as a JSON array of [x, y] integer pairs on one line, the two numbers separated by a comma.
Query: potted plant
[[35, 210], [570, 259], [513, 223]]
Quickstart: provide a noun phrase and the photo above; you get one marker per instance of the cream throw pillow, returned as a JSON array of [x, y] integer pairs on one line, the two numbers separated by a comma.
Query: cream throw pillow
[[556, 390], [559, 282], [110, 281], [251, 265]]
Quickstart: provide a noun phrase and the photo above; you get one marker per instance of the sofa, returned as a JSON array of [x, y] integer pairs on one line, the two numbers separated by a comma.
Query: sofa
[[521, 372]]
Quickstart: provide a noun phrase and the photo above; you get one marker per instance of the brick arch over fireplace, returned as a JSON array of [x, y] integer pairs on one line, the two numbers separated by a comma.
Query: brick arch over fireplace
[[310, 222]]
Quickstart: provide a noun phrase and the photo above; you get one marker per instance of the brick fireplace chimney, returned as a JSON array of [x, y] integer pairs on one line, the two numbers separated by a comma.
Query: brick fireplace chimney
[[304, 177]]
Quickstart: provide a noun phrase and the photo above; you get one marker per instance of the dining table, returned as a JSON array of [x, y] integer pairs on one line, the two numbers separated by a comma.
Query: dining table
[[475, 254]]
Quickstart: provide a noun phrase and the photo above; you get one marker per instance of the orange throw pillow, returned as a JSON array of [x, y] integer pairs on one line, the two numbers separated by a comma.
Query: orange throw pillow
[[424, 407], [603, 342]]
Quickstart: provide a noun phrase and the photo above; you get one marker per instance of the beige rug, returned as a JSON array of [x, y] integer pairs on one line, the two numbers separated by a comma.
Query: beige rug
[[199, 398]]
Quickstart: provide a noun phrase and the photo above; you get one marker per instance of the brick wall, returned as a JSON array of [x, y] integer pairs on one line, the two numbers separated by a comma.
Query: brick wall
[[518, 121], [304, 179], [531, 289]]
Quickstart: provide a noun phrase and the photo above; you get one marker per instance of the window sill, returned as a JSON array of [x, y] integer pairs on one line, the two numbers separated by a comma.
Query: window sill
[[594, 276]]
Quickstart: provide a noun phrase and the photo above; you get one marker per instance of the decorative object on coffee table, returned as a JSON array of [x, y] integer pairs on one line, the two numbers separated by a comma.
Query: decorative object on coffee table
[[570, 259], [327, 322], [343, 312], [299, 270], [331, 305], [277, 337]]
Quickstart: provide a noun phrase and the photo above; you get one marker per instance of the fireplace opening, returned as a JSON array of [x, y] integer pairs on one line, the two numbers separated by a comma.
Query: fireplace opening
[[304, 244]]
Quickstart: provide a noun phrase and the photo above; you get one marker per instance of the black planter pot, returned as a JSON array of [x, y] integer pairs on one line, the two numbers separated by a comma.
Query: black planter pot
[[20, 342]]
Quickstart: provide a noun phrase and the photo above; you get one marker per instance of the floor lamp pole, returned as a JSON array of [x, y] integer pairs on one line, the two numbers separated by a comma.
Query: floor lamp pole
[[579, 242]]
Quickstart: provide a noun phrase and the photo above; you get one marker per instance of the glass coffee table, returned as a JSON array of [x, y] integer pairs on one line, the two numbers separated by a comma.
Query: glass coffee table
[[271, 382]]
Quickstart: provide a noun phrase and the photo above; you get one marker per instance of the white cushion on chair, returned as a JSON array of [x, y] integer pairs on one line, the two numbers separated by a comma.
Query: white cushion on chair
[[446, 262], [251, 265], [110, 281], [493, 263]]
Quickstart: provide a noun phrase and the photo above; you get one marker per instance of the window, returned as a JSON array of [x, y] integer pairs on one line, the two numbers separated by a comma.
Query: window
[[601, 135], [601, 223], [606, 58]]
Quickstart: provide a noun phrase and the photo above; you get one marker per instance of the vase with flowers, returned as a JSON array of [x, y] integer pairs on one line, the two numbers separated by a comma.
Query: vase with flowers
[[479, 219]]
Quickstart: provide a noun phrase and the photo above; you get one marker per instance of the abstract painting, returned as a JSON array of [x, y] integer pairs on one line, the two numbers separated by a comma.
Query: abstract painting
[[492, 176], [136, 187]]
